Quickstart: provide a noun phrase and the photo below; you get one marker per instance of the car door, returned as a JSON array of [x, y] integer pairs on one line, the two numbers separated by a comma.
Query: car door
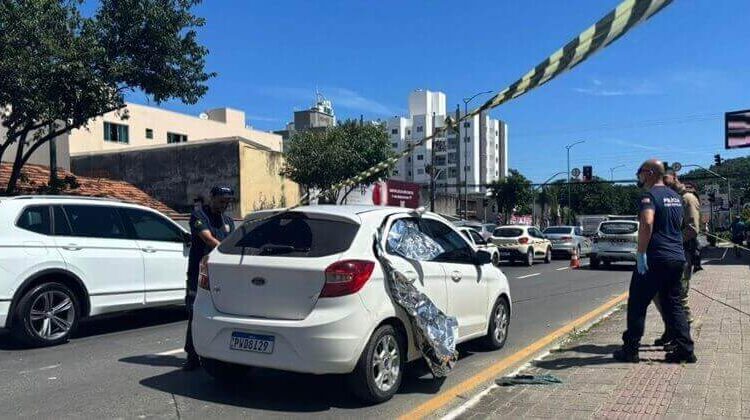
[[165, 254], [412, 253], [96, 246], [467, 291]]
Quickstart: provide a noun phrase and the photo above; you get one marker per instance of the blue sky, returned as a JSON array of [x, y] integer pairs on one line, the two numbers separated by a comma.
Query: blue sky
[[660, 91]]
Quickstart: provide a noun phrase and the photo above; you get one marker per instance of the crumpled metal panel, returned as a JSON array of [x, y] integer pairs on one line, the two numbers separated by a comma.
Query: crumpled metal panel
[[435, 333]]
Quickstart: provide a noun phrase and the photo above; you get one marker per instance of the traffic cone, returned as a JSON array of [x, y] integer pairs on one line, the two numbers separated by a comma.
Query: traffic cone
[[574, 262]]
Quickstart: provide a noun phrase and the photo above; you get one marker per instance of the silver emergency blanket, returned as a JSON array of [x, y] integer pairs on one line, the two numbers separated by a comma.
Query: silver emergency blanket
[[435, 333]]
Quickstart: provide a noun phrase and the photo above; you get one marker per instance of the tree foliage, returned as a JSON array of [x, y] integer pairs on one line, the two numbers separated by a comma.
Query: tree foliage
[[320, 159], [512, 194], [59, 69]]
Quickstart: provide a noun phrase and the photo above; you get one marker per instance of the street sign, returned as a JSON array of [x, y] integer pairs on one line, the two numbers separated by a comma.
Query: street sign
[[575, 172], [677, 166]]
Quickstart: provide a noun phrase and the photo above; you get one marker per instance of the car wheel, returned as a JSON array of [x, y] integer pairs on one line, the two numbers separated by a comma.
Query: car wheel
[[497, 332], [379, 371], [496, 259], [530, 258], [223, 372], [548, 256], [46, 315], [594, 262]]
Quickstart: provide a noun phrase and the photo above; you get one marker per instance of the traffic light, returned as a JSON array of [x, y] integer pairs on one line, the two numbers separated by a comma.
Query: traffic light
[[717, 159], [587, 173]]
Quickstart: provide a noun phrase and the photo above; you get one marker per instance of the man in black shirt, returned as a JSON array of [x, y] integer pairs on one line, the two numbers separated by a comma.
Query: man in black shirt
[[208, 227], [660, 263]]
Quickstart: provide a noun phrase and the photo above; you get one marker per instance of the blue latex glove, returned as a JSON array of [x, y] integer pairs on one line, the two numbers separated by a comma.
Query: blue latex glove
[[641, 263]]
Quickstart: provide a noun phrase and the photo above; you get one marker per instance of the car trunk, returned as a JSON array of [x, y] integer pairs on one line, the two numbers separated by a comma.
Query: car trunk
[[267, 287], [618, 237]]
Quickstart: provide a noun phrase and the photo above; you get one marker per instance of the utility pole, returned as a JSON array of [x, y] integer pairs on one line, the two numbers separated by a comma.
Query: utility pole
[[432, 167], [52, 159], [466, 152], [568, 147], [458, 158], [612, 172]]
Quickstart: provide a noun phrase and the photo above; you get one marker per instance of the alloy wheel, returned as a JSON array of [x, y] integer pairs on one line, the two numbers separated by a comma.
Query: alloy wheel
[[386, 363], [501, 322], [52, 315]]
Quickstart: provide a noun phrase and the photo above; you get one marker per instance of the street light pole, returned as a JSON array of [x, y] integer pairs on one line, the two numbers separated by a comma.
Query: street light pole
[[568, 147], [612, 172], [533, 195], [466, 151]]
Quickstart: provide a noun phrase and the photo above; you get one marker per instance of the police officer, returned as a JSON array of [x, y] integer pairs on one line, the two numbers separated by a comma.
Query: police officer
[[208, 227], [660, 264]]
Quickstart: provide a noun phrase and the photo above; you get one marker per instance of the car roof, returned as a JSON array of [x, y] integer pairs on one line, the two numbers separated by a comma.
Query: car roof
[[352, 212], [561, 226]]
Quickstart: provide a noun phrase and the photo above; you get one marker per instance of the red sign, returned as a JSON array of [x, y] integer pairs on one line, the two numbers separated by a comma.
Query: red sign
[[396, 193]]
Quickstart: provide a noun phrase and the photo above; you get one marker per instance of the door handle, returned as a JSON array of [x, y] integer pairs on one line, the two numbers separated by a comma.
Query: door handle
[[148, 249], [71, 247], [456, 276]]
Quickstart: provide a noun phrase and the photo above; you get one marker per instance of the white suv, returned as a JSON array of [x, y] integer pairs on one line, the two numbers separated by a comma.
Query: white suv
[[522, 243], [303, 291], [65, 258]]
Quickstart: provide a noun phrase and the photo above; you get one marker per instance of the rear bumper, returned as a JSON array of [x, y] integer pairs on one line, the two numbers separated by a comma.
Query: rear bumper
[[329, 340]]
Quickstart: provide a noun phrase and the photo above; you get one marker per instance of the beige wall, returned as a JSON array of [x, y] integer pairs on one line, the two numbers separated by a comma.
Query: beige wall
[[223, 122], [261, 186], [40, 155]]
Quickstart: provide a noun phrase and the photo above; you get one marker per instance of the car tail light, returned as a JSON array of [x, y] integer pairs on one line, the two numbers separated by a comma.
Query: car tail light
[[203, 282], [346, 277], [567, 238], [523, 241]]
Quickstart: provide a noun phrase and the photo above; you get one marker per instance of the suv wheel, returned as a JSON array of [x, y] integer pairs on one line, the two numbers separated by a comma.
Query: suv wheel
[[548, 256], [46, 315], [497, 332], [530, 257], [496, 259], [379, 371], [223, 372], [594, 262]]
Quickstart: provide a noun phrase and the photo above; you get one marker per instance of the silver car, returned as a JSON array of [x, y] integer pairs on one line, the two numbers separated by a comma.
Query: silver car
[[566, 239], [616, 240]]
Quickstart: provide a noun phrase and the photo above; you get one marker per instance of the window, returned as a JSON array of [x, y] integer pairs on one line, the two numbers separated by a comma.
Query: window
[[35, 219], [62, 227], [291, 234], [394, 131], [409, 173], [477, 238], [557, 230], [420, 157], [440, 160], [95, 221], [420, 171], [507, 232], [420, 129], [467, 139], [395, 172], [394, 145], [176, 138], [408, 159], [467, 168], [618, 228], [467, 124], [427, 240], [149, 226], [149, 133], [117, 133], [455, 248], [408, 132]]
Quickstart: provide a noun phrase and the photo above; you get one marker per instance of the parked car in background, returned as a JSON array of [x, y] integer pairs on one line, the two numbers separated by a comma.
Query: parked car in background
[[484, 229], [522, 243], [615, 240], [566, 239], [304, 291], [480, 243], [67, 258]]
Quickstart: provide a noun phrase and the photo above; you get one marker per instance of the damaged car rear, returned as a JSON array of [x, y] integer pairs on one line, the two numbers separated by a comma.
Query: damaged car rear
[[309, 291]]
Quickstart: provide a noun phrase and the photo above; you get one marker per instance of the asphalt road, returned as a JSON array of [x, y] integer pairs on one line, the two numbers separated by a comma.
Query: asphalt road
[[113, 368]]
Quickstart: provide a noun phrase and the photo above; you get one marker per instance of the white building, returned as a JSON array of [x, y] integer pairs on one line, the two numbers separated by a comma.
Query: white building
[[480, 158]]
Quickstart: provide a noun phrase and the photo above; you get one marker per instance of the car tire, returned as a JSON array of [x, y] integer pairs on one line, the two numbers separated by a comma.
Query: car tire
[[223, 372], [594, 262], [46, 315], [496, 259], [529, 258], [382, 358], [548, 256], [497, 330]]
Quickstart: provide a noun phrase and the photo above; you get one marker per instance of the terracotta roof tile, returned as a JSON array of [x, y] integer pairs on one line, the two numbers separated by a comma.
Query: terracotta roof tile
[[35, 177]]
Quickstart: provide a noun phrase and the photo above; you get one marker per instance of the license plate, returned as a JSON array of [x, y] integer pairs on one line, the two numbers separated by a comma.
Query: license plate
[[504, 253], [251, 342]]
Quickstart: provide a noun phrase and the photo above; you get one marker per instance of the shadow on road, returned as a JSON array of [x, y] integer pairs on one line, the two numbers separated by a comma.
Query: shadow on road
[[603, 356], [612, 267]]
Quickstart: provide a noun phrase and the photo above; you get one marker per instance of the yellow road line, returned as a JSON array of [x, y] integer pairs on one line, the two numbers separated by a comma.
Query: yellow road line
[[444, 398]]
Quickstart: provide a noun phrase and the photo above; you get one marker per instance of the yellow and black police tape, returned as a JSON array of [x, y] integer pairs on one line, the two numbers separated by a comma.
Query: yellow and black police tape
[[608, 29], [720, 239]]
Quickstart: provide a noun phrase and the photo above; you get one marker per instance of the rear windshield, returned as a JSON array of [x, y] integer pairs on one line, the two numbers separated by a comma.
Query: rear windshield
[[554, 230], [508, 232], [618, 228], [291, 235]]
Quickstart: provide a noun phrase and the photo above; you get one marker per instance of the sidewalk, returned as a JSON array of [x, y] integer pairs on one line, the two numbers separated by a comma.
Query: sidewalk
[[596, 386]]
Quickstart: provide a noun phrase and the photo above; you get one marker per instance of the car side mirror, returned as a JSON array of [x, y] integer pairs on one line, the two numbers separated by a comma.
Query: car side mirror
[[482, 257]]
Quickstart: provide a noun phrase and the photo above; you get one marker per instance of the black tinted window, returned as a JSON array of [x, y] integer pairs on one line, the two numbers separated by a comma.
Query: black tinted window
[[291, 235], [618, 228], [95, 221], [62, 228], [149, 226], [557, 230], [35, 219], [507, 232], [455, 248], [477, 237]]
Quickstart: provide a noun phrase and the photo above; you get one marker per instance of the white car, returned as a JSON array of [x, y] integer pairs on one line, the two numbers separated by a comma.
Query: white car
[[66, 258], [303, 291], [615, 240], [480, 243], [522, 243]]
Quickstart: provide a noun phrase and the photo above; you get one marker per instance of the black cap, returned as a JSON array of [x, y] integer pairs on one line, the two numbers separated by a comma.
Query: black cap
[[222, 191]]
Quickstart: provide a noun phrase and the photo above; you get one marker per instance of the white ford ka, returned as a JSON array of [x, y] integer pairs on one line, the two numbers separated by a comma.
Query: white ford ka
[[303, 291]]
